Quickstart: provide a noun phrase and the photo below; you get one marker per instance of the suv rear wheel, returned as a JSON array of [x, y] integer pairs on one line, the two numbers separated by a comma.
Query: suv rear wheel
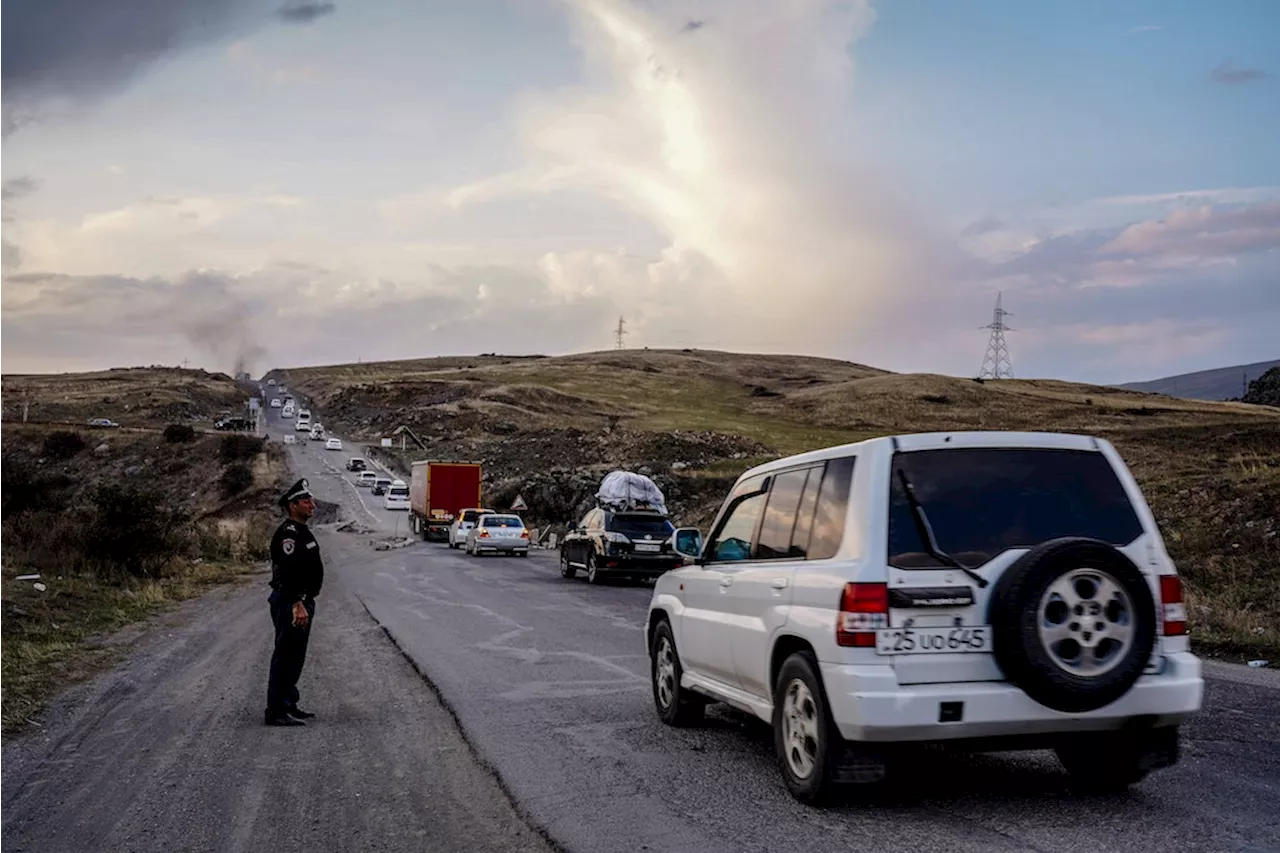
[[804, 736], [676, 705], [1109, 762], [566, 570], [593, 574]]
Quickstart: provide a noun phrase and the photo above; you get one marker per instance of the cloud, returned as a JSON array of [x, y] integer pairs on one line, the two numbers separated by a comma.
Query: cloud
[[1143, 252], [304, 12], [985, 225], [15, 188], [693, 26], [1227, 74], [701, 140], [80, 47], [288, 314], [1202, 232], [12, 256]]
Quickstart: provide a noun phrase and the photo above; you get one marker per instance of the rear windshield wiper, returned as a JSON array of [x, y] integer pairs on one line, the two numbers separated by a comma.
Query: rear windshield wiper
[[925, 530]]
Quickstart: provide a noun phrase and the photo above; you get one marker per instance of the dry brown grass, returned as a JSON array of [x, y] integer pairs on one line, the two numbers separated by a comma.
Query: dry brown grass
[[133, 397], [52, 638], [60, 636]]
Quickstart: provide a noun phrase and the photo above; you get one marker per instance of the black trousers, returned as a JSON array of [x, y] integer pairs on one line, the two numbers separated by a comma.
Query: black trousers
[[289, 655]]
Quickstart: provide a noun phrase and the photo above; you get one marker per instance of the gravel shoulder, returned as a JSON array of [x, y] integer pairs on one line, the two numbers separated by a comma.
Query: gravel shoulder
[[168, 751]]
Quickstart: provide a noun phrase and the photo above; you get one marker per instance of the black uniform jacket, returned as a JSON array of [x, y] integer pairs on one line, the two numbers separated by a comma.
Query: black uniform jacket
[[297, 572]]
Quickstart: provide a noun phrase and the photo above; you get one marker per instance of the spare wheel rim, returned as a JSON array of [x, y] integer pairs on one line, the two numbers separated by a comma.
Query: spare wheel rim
[[800, 728], [1086, 622]]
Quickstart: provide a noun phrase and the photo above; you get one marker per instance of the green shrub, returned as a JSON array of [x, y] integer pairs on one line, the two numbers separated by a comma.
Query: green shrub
[[238, 448], [64, 444], [132, 530], [237, 477], [179, 433]]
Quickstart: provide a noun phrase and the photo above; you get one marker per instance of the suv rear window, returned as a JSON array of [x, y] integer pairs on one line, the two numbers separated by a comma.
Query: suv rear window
[[470, 516], [632, 526], [982, 502]]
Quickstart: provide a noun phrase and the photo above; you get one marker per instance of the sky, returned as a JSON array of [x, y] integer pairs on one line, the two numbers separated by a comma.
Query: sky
[[274, 183]]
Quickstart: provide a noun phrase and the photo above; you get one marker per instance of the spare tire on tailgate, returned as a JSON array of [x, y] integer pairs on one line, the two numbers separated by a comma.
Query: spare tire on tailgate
[[1073, 624]]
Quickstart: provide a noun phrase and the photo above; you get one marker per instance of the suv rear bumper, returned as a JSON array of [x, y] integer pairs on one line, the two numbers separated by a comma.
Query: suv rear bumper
[[635, 565], [868, 704]]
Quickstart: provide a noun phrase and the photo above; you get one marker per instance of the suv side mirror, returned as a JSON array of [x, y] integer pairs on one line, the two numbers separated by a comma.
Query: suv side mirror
[[687, 542]]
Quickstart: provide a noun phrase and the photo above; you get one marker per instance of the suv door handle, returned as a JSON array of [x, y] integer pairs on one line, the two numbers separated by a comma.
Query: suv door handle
[[779, 583], [726, 581]]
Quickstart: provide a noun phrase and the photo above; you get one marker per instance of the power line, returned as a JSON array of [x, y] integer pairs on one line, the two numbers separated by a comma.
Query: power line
[[996, 364], [620, 333]]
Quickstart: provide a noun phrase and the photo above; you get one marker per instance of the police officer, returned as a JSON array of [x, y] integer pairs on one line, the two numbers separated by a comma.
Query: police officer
[[296, 576]]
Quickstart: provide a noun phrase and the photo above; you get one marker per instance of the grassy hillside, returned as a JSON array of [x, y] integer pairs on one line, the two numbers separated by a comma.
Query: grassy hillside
[[132, 397], [117, 524], [548, 428], [1223, 383]]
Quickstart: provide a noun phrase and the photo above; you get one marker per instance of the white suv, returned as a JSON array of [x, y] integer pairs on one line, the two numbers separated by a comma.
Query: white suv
[[993, 590]]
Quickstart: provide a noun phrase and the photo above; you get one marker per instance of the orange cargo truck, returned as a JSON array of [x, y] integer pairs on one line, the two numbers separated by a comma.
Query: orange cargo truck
[[438, 491]]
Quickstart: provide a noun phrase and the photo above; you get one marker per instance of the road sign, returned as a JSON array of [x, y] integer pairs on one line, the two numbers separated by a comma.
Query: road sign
[[386, 442], [519, 504]]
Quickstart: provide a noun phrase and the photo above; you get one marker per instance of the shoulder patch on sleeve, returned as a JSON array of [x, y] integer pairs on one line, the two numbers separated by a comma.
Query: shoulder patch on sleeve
[[287, 546]]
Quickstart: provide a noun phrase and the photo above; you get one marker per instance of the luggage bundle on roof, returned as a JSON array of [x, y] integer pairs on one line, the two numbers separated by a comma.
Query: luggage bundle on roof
[[626, 490]]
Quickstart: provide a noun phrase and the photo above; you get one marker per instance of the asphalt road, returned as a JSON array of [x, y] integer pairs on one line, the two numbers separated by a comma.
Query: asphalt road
[[548, 680]]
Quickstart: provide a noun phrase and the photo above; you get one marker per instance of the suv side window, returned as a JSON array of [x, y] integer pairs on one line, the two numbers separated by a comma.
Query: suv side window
[[594, 520], [780, 515], [829, 515], [734, 537]]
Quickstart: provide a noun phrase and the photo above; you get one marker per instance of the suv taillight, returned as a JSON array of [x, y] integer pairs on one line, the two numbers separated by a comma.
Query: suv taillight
[[864, 607], [1172, 608]]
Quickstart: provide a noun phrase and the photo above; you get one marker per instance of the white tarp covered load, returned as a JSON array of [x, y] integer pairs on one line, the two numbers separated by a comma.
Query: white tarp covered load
[[627, 490]]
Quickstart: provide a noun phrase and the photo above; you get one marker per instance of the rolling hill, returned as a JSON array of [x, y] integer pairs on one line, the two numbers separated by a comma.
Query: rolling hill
[[549, 427], [1223, 383]]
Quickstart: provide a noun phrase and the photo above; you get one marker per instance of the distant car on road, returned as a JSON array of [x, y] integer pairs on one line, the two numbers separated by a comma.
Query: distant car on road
[[502, 534], [288, 439], [104, 423], [397, 496], [333, 444], [302, 426], [271, 382], [355, 463], [463, 524], [381, 485], [275, 402], [366, 479]]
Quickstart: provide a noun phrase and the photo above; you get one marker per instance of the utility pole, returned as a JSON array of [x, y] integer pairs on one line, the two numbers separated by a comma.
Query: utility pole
[[996, 363], [620, 333]]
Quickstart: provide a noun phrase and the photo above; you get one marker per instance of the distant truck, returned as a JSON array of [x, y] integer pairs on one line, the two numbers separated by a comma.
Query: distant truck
[[438, 491]]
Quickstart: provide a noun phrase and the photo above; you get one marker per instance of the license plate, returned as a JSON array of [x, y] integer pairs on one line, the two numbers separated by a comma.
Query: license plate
[[933, 641], [648, 546]]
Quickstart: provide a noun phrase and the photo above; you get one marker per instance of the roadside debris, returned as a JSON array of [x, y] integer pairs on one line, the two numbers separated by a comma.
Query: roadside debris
[[354, 526], [394, 542], [40, 587], [34, 577], [1259, 664]]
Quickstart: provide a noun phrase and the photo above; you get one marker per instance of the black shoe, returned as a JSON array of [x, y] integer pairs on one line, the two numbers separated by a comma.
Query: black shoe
[[282, 720], [298, 714]]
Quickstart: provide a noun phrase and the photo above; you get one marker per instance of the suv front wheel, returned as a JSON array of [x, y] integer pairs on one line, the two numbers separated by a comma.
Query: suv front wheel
[[804, 735], [676, 705]]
